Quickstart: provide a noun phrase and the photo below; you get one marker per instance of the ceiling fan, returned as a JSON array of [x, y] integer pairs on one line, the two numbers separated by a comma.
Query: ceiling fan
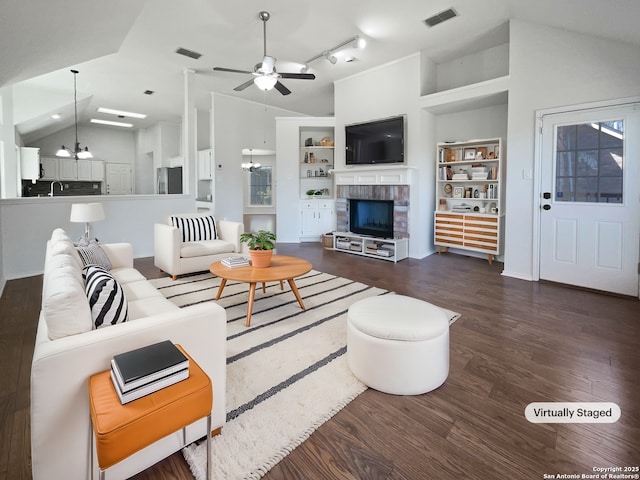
[[265, 75]]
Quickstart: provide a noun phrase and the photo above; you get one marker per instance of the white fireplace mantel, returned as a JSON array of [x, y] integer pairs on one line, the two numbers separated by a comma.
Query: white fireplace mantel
[[378, 175]]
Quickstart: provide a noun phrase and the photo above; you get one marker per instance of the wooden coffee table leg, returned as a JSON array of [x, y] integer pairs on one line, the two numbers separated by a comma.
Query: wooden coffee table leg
[[220, 288], [252, 294], [294, 289]]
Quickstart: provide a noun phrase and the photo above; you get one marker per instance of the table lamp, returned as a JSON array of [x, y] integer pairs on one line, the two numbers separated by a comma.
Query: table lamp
[[86, 213]]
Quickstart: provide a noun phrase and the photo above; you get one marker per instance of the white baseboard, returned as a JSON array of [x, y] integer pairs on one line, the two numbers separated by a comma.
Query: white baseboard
[[518, 275]]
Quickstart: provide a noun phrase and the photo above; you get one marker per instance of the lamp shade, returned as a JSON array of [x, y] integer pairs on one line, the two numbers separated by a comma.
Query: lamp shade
[[85, 153], [86, 212], [63, 152]]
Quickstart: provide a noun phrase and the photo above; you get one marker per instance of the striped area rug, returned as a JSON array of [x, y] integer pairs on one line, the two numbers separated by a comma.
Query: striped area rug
[[286, 375]]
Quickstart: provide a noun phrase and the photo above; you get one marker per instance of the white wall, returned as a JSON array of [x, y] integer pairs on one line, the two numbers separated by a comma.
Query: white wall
[[26, 225], [8, 156], [477, 67], [239, 124], [389, 90], [551, 68], [108, 144], [489, 122]]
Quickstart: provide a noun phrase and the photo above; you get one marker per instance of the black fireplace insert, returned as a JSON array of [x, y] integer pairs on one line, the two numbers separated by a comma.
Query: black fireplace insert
[[371, 217]]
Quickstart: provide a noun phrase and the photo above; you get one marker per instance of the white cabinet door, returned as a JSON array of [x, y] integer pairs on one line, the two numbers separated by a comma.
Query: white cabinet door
[[68, 168], [49, 168], [325, 220], [84, 169], [309, 222], [205, 165], [97, 170]]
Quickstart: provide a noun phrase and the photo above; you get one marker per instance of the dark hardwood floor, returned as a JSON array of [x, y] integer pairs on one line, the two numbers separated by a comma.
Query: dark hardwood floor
[[517, 342]]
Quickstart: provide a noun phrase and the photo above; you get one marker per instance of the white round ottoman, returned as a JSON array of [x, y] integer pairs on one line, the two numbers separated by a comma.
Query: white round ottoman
[[398, 344]]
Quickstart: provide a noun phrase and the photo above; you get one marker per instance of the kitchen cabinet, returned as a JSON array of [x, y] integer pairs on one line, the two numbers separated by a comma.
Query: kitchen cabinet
[[84, 169], [97, 170], [67, 169], [49, 168], [30, 163]]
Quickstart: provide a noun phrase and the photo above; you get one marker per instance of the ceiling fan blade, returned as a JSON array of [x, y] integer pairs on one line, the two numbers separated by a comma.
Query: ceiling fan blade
[[282, 89], [232, 70], [299, 76], [268, 64], [244, 85]]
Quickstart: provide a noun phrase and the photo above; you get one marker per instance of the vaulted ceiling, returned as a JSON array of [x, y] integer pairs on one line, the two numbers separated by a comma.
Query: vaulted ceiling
[[123, 47]]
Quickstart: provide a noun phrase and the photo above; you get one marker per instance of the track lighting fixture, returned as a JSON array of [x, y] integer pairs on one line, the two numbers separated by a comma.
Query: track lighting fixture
[[330, 55]]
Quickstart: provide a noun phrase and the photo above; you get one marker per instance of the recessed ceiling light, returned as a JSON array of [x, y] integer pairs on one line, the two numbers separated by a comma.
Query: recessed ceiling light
[[56, 116], [109, 122], [149, 92], [121, 113]]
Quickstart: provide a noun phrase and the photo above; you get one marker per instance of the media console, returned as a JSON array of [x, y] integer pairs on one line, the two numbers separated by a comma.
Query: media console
[[392, 250]]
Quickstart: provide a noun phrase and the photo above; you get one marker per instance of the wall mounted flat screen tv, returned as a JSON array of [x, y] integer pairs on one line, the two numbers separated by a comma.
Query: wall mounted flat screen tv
[[377, 142]]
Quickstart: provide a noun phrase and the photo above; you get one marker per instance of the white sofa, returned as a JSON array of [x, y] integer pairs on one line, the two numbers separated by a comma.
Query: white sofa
[[177, 257], [68, 351]]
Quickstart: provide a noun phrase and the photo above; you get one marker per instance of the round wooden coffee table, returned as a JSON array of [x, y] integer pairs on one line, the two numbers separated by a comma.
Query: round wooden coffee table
[[282, 268]]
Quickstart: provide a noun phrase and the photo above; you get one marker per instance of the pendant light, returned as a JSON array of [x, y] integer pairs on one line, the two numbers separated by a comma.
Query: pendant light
[[78, 152], [250, 166]]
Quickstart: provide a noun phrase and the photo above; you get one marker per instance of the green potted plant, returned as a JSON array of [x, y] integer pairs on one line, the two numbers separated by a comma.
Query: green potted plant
[[261, 245]]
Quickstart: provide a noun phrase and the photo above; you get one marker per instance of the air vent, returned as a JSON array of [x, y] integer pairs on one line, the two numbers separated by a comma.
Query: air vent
[[441, 17], [188, 53]]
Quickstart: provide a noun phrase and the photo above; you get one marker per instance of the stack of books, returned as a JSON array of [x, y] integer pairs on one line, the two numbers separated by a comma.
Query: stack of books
[[460, 176], [148, 369], [462, 208], [234, 262]]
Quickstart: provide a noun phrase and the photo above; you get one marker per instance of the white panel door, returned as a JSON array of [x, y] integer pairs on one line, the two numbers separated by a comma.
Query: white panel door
[[590, 214], [118, 179]]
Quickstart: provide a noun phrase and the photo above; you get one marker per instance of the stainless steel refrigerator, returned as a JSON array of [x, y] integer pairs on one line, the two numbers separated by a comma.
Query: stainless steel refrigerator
[[169, 180]]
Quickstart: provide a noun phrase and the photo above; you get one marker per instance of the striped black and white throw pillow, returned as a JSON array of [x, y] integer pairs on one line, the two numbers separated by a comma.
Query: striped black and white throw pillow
[[194, 229], [107, 301], [92, 254]]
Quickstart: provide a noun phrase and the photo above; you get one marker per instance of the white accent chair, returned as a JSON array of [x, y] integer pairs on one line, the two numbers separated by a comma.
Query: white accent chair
[[175, 257], [398, 344]]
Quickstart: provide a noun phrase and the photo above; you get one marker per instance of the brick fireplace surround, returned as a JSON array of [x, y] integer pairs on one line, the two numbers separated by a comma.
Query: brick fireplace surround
[[398, 193]]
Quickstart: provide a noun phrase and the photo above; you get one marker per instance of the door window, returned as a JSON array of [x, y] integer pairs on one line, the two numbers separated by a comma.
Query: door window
[[589, 162]]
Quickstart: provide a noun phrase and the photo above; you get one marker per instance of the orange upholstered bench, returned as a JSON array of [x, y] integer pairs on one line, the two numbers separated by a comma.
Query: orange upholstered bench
[[122, 430]]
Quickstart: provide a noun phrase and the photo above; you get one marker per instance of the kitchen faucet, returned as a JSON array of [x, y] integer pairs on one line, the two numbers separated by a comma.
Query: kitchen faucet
[[61, 187]]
